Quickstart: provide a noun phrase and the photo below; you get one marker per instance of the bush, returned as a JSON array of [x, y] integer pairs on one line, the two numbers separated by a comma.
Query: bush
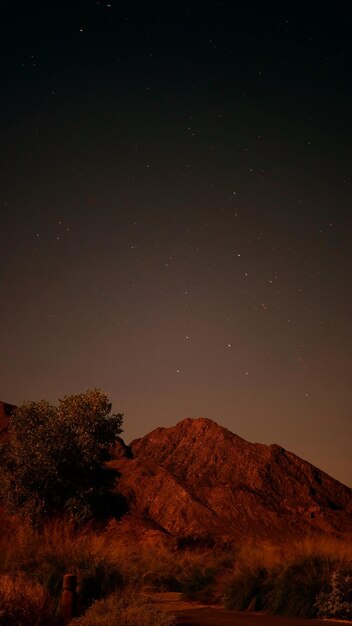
[[290, 579], [43, 556], [124, 611], [336, 601], [197, 583], [24, 602], [247, 589], [97, 579], [295, 587], [54, 459]]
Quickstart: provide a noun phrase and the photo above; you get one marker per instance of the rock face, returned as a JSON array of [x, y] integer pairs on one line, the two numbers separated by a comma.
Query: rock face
[[198, 481]]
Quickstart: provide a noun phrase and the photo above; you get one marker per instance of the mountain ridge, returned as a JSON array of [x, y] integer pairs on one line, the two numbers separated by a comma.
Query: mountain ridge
[[199, 480]]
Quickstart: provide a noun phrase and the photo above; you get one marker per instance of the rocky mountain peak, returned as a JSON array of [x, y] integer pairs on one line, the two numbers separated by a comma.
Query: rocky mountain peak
[[198, 479]]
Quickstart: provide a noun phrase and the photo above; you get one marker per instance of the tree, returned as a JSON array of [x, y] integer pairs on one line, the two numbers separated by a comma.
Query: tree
[[54, 460]]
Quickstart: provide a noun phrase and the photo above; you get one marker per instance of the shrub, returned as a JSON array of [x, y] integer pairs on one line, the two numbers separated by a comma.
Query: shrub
[[197, 583], [98, 578], [24, 602], [336, 601], [124, 611], [295, 587], [54, 459], [288, 578], [247, 589], [45, 555]]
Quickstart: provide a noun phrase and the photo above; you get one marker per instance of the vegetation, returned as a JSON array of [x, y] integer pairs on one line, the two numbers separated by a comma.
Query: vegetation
[[34, 560], [335, 600], [124, 610], [299, 580], [198, 583], [53, 461], [53, 475], [23, 602], [308, 578]]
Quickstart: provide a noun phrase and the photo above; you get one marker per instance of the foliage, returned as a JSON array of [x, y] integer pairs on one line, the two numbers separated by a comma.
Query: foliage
[[42, 556], [54, 459], [296, 586], [197, 583], [128, 610], [288, 578], [247, 590], [336, 600], [24, 602]]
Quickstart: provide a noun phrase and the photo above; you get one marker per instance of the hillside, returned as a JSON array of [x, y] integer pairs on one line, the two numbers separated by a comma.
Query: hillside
[[199, 481]]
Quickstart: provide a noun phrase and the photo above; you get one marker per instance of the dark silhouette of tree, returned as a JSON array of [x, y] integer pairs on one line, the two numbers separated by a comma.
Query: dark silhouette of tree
[[54, 460]]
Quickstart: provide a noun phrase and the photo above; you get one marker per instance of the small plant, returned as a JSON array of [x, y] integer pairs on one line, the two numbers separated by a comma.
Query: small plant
[[247, 589], [24, 602], [127, 610], [336, 601], [98, 578], [197, 583], [45, 555], [295, 586]]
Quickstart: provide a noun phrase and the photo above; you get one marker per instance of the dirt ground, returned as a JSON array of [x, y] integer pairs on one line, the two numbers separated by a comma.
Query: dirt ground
[[192, 614]]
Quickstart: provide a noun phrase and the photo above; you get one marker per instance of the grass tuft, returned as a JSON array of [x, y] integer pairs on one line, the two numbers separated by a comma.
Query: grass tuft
[[24, 602], [306, 578], [125, 610]]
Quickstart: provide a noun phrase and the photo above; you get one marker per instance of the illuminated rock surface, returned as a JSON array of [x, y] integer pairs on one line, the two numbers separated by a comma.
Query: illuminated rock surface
[[197, 480]]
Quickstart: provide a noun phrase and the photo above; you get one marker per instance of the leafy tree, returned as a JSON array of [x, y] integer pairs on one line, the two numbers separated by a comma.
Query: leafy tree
[[54, 459]]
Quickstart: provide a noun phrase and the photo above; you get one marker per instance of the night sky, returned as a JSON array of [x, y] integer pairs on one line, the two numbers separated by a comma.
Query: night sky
[[176, 215]]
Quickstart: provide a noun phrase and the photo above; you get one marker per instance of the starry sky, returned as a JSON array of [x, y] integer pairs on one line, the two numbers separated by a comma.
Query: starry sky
[[176, 215]]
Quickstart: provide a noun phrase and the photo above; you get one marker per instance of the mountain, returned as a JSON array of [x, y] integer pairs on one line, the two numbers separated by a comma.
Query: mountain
[[199, 482]]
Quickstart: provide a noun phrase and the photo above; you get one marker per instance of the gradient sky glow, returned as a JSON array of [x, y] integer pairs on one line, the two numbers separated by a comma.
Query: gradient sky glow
[[176, 216]]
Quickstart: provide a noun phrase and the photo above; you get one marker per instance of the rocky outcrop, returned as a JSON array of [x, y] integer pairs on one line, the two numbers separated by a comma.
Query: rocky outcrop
[[198, 481]]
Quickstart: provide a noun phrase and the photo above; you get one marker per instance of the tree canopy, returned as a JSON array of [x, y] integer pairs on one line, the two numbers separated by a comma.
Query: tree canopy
[[54, 459]]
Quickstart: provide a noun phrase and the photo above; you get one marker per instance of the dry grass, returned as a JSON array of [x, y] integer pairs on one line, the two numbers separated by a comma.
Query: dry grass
[[273, 555], [44, 557], [276, 577], [125, 610], [157, 565], [285, 578], [24, 602]]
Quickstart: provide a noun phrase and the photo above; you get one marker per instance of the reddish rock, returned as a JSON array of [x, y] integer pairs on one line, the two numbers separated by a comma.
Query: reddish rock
[[199, 481]]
